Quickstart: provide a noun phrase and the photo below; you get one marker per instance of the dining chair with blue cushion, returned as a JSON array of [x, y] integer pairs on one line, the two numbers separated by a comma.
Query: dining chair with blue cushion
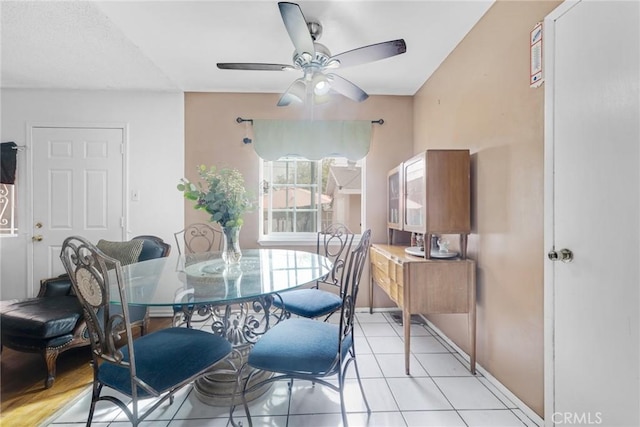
[[196, 238], [155, 365], [325, 296], [306, 349]]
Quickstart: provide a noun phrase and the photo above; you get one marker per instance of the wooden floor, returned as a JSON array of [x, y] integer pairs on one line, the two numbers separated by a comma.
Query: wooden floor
[[25, 401]]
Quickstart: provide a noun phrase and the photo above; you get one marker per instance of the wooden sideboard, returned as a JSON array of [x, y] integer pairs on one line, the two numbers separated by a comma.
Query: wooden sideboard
[[425, 286]]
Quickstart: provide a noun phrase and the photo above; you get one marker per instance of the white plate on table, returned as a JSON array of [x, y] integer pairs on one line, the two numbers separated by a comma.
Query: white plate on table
[[416, 251], [443, 255]]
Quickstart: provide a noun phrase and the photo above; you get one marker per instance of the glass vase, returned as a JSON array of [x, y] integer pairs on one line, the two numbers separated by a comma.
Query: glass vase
[[231, 252]]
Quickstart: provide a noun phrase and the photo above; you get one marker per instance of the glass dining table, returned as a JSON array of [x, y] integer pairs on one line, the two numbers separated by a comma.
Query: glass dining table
[[235, 301]]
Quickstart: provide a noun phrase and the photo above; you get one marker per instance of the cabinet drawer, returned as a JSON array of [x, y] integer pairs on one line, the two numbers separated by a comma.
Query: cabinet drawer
[[380, 261], [396, 273], [381, 278]]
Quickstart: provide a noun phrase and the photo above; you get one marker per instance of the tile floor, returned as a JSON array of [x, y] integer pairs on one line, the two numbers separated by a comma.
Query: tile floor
[[439, 392]]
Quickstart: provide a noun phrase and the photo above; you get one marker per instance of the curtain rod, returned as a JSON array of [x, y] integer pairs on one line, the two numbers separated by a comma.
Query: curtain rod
[[241, 120]]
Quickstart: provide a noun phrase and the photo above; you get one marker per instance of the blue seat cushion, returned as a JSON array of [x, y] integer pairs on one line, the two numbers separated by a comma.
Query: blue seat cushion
[[309, 302], [165, 358], [299, 346]]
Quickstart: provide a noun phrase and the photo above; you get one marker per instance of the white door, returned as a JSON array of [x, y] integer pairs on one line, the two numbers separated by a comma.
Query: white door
[[77, 190], [592, 196]]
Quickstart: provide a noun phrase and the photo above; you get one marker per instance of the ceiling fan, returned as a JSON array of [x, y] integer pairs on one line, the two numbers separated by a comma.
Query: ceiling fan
[[314, 60]]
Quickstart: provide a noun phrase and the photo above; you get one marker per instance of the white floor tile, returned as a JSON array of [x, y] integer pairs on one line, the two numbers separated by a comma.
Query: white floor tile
[[392, 365], [193, 408], [365, 317], [376, 419], [378, 330], [315, 420], [61, 424], [78, 413], [307, 398], [416, 330], [508, 403], [385, 345], [377, 392], [442, 365], [426, 345], [145, 423], [433, 419], [468, 393], [362, 346], [367, 365], [417, 394], [491, 418], [524, 418], [212, 422]]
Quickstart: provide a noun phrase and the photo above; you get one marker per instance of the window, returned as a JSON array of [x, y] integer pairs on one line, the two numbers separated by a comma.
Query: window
[[8, 163], [300, 197]]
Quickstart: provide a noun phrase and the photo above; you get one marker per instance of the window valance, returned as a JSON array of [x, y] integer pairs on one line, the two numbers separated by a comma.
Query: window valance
[[312, 139]]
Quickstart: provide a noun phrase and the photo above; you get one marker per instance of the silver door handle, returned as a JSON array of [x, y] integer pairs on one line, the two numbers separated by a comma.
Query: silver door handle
[[37, 238], [565, 255]]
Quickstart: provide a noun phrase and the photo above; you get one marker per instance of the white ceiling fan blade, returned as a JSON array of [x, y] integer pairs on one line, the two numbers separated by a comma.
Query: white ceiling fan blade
[[346, 88], [253, 66], [374, 52], [297, 28]]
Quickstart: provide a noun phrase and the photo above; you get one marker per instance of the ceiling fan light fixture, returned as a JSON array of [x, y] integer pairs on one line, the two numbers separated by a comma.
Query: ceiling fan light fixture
[[321, 85], [298, 90]]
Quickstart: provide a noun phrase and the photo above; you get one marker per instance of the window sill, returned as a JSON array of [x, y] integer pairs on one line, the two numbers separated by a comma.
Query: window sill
[[295, 239]]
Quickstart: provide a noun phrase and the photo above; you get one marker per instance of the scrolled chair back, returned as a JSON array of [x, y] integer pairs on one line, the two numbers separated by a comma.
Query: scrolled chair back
[[335, 243], [355, 265], [199, 238], [92, 275]]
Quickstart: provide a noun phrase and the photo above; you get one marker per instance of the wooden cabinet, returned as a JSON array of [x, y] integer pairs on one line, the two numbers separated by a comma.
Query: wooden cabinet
[[435, 186], [425, 286], [395, 198]]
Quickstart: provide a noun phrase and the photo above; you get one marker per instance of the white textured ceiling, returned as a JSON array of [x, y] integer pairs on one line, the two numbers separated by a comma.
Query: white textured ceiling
[[175, 45]]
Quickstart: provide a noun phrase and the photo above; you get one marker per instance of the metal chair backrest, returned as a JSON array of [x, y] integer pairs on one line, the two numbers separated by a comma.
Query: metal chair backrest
[[353, 272], [335, 243], [199, 238], [93, 277]]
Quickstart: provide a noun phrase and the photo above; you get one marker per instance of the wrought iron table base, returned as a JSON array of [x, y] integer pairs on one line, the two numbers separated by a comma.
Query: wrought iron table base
[[242, 324]]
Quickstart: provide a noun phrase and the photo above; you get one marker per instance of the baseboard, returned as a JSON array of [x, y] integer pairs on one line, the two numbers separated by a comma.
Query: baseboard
[[497, 384]]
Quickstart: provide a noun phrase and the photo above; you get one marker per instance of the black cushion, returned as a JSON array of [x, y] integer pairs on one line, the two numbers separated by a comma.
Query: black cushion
[[150, 250], [41, 317]]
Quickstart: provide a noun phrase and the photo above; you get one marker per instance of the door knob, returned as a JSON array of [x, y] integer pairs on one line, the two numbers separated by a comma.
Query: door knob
[[565, 255], [37, 238]]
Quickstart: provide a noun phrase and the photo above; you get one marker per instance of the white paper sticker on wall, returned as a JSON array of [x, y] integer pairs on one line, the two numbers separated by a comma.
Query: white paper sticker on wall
[[536, 77]]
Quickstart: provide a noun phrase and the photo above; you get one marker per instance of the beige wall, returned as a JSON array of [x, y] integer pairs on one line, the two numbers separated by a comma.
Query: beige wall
[[480, 99], [213, 137]]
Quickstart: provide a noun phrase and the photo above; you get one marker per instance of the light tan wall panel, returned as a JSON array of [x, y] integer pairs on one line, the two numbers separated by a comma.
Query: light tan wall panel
[[480, 99]]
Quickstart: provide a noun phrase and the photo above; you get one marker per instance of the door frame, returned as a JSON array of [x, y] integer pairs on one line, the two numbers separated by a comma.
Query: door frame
[[30, 126], [549, 144]]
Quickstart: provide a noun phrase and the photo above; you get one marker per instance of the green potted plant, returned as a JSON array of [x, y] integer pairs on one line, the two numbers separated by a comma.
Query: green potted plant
[[221, 193]]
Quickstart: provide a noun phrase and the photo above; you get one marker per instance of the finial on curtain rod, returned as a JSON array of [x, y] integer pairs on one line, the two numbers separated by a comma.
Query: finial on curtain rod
[[241, 120]]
